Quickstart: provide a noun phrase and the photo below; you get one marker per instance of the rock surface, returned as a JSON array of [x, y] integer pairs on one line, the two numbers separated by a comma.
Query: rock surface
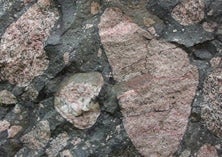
[[7, 97], [211, 109], [75, 99], [23, 57], [159, 81], [206, 151], [189, 12], [110, 78]]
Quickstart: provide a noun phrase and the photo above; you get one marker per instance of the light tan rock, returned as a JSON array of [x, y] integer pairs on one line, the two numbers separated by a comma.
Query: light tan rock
[[65, 153], [75, 100], [4, 125], [7, 97], [95, 8], [14, 130]]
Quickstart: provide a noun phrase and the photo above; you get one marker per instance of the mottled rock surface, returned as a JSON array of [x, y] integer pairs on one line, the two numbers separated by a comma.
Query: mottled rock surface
[[206, 151], [211, 109], [189, 12], [75, 99], [22, 54], [7, 97], [110, 78], [159, 80]]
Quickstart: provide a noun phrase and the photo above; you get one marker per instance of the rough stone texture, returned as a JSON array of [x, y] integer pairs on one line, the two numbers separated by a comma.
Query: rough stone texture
[[181, 20], [206, 151], [160, 84], [185, 153], [211, 109], [121, 37], [7, 97], [189, 12], [23, 57], [14, 130], [57, 144], [95, 8], [75, 100], [127, 42], [4, 125], [38, 137]]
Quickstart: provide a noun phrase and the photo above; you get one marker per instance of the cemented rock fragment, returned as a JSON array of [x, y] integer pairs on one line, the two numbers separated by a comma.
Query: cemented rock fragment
[[57, 144], [38, 137], [4, 125], [21, 48], [211, 111], [189, 12], [75, 100], [207, 151], [7, 97], [124, 43], [157, 80], [95, 8], [13, 130]]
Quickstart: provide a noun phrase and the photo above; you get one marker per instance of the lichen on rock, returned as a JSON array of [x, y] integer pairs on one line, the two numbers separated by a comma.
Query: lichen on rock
[[75, 100]]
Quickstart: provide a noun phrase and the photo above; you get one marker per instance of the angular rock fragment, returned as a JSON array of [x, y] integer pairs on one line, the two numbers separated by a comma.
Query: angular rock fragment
[[57, 144], [7, 97], [4, 125], [13, 130], [75, 100], [185, 153], [95, 8], [207, 151], [211, 111], [158, 84], [21, 48], [66, 153], [124, 42], [38, 137], [189, 12]]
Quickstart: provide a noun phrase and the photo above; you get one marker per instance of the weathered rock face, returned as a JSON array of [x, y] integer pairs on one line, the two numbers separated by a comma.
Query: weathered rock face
[[75, 100], [7, 97], [124, 43], [189, 12], [211, 109], [110, 78], [207, 150], [22, 54], [159, 84]]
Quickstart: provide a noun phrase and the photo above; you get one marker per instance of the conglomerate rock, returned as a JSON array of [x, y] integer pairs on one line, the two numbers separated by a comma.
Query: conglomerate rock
[[158, 80], [22, 54], [211, 108], [110, 78], [7, 97], [75, 99], [189, 12], [206, 151]]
